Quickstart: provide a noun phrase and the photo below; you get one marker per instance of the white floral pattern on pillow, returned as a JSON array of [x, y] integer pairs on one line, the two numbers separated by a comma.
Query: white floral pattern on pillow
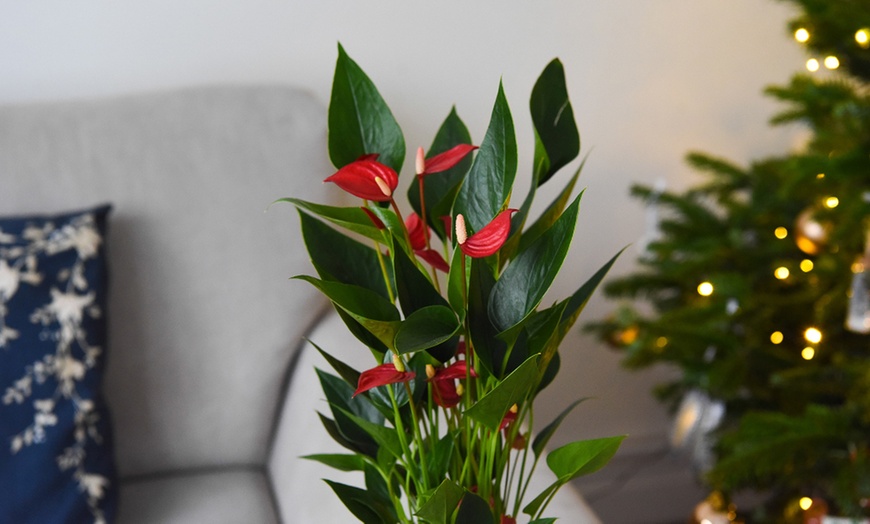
[[60, 323]]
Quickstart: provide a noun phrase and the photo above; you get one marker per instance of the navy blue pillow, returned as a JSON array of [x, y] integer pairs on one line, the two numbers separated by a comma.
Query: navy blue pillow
[[56, 460]]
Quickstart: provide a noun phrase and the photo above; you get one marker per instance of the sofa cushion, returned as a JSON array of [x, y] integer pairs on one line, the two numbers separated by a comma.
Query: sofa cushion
[[56, 462], [224, 496], [203, 314]]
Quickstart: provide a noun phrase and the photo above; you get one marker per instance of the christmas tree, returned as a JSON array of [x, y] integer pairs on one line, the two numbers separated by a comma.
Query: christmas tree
[[757, 288]]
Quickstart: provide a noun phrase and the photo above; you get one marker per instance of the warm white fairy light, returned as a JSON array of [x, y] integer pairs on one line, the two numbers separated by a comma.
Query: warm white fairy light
[[661, 342], [807, 265], [832, 62], [831, 202], [776, 337], [780, 232], [802, 35], [805, 503], [781, 273], [862, 36], [705, 289], [812, 65], [808, 353], [813, 335]]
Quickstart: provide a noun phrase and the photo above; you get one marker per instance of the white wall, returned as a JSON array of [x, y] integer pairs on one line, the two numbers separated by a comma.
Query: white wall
[[649, 80]]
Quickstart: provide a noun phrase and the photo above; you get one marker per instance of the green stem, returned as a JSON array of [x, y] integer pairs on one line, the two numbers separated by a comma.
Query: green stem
[[384, 272], [418, 438]]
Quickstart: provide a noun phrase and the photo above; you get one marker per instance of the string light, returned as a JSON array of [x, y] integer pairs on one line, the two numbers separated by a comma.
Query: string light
[[806, 265], [812, 65], [805, 503], [858, 267], [832, 62], [705, 289], [802, 35], [780, 232], [831, 202], [813, 335], [781, 273], [661, 342], [820, 176], [862, 36], [808, 353], [776, 337]]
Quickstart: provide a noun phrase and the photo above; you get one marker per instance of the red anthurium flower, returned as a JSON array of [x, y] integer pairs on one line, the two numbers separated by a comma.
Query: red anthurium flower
[[444, 391], [367, 178], [509, 417], [416, 231], [508, 520], [434, 259], [489, 239], [383, 375], [373, 217], [442, 161]]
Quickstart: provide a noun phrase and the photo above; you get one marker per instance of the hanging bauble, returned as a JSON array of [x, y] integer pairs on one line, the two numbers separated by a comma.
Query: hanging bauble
[[810, 234], [697, 416], [714, 510]]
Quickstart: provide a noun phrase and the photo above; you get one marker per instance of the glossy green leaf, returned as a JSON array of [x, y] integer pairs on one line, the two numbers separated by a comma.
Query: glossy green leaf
[[545, 434], [361, 333], [488, 185], [551, 214], [490, 349], [543, 521], [349, 374], [338, 257], [386, 437], [491, 409], [340, 394], [413, 287], [350, 218], [371, 310], [440, 188], [473, 510], [439, 508], [576, 302], [359, 120], [439, 458], [533, 506], [367, 447], [339, 461], [457, 282], [426, 328], [523, 284], [557, 140], [582, 457], [360, 503]]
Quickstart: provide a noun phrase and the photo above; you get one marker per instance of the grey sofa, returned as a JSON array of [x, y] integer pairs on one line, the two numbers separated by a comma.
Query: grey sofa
[[204, 325]]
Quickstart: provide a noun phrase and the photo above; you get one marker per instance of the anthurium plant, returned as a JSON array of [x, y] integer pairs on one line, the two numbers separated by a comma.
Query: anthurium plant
[[446, 297]]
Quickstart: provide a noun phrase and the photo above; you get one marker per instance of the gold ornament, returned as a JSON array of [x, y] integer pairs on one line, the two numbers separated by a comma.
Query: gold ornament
[[810, 234]]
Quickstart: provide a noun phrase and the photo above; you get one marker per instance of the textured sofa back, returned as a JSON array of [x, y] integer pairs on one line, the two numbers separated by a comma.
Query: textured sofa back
[[203, 320]]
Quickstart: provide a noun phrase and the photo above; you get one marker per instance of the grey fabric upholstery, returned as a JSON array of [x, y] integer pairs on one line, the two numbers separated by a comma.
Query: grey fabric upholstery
[[203, 320]]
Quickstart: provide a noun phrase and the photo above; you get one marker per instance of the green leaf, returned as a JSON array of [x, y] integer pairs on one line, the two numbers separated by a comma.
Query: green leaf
[[491, 409], [339, 461], [457, 283], [351, 218], [386, 437], [523, 284], [440, 506], [533, 506], [370, 309], [338, 257], [350, 375], [439, 458], [543, 521], [340, 394], [582, 457], [440, 189], [557, 140], [551, 214], [426, 328], [489, 349], [488, 185], [359, 120], [473, 510], [331, 426], [359, 503], [413, 287], [544, 436], [576, 302]]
